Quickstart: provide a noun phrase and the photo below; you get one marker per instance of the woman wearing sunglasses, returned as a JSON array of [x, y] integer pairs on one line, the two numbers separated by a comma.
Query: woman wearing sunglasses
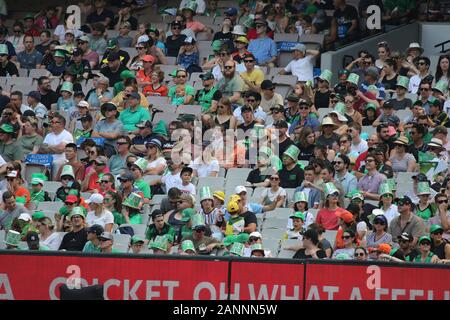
[[311, 249], [349, 245], [386, 204], [442, 216], [156, 162], [47, 235], [274, 193], [438, 246], [379, 233], [224, 116], [425, 254], [360, 254], [327, 216]]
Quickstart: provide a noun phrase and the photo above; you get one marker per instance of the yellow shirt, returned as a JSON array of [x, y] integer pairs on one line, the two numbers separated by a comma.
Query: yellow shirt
[[118, 101], [256, 77]]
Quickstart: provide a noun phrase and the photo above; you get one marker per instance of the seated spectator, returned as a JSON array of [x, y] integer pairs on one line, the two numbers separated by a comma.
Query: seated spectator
[[344, 25], [387, 207], [98, 214], [133, 114], [186, 92], [29, 58], [327, 216], [77, 238], [47, 235], [93, 243], [156, 86], [274, 193], [114, 68], [14, 181], [302, 64], [188, 57], [91, 179], [213, 216], [348, 251], [159, 228], [7, 68], [370, 182], [425, 254], [10, 148], [17, 40], [401, 160], [156, 162], [263, 48], [310, 248], [138, 169]]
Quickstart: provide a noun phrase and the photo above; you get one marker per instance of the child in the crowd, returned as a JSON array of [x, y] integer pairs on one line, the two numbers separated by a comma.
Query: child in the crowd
[[66, 102], [180, 92], [186, 185], [188, 54], [81, 111], [37, 194], [70, 41]]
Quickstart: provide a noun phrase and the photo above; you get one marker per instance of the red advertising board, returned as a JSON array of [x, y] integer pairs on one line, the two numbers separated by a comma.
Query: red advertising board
[[266, 281], [371, 282], [38, 277]]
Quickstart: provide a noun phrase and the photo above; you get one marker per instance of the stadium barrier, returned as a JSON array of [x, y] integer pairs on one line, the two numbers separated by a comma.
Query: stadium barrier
[[38, 276]]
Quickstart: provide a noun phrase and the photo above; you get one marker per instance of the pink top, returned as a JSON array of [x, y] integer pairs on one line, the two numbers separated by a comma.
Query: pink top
[[327, 218], [195, 26]]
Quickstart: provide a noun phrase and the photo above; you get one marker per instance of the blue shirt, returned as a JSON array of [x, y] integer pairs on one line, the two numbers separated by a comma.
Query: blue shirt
[[381, 93], [263, 49], [311, 122], [186, 60], [348, 182], [29, 60]]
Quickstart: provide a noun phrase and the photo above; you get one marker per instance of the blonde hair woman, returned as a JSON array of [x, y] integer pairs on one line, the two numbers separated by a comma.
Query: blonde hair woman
[[47, 235], [156, 162], [224, 116]]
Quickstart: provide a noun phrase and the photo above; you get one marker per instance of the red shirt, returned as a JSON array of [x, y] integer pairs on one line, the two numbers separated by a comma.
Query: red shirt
[[22, 192], [162, 91], [327, 218]]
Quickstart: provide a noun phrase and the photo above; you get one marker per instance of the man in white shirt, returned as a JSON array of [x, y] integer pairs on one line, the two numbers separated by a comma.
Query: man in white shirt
[[358, 145], [423, 65], [172, 179], [55, 142], [302, 65], [252, 99]]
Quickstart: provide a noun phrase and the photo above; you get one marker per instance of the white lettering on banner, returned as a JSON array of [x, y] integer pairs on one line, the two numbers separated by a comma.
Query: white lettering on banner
[[224, 294], [171, 285], [415, 293], [7, 293], [107, 284], [379, 292], [374, 280], [150, 294], [205, 286], [62, 280], [284, 296], [74, 280], [397, 292], [127, 293], [263, 294], [356, 294], [330, 290], [313, 293]]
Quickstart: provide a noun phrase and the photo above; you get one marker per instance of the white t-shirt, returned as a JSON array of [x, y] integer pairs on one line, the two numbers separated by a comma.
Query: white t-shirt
[[105, 218], [267, 192], [302, 68], [414, 83], [203, 169], [52, 242], [53, 140], [190, 188], [360, 147], [60, 31], [391, 213], [171, 181], [155, 163]]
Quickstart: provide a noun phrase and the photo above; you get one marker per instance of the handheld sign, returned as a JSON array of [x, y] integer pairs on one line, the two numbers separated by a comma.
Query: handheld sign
[[41, 159]]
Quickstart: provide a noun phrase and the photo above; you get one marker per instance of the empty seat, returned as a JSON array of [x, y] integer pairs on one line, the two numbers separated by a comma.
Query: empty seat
[[289, 80], [238, 173], [50, 205], [215, 183], [324, 112], [139, 229], [37, 73], [149, 178], [190, 109], [291, 37], [286, 254], [330, 235], [275, 223], [121, 242], [157, 198], [279, 213]]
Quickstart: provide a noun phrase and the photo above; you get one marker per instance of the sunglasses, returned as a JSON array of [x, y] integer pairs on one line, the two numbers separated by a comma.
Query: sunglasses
[[67, 178], [380, 222], [91, 152], [359, 254], [228, 67], [251, 100], [55, 122], [222, 54], [421, 63], [343, 141], [105, 181], [69, 203], [337, 162], [121, 142], [249, 61], [252, 239], [346, 237], [438, 233], [442, 201], [370, 160], [10, 179], [276, 111], [176, 28], [304, 108], [334, 195], [274, 179], [140, 48], [403, 241], [424, 89], [425, 243]]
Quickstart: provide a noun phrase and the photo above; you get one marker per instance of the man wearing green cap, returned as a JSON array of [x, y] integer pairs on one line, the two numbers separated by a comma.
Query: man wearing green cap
[[136, 244], [436, 115], [113, 46], [77, 238], [59, 63], [203, 244], [208, 97], [291, 175], [10, 149], [37, 194], [7, 68]]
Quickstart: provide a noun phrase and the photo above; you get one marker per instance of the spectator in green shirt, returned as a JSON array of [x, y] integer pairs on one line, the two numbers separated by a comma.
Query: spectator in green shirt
[[159, 228], [138, 168], [93, 244], [113, 202], [133, 114]]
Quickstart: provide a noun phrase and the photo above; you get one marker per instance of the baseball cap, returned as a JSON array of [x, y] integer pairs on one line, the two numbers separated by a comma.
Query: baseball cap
[[384, 248], [255, 234], [246, 108], [421, 177], [345, 215], [95, 198], [24, 217], [101, 160], [240, 189], [126, 176], [148, 58], [154, 142], [277, 107], [71, 198], [83, 39], [207, 76], [267, 84], [96, 228], [299, 47], [142, 39], [436, 227], [32, 238], [135, 95], [404, 200], [113, 56], [243, 40], [106, 236], [136, 239], [189, 40], [232, 207], [175, 23], [440, 129], [293, 98], [112, 43], [86, 118], [406, 236], [7, 128], [186, 117], [83, 104], [77, 52], [231, 12]]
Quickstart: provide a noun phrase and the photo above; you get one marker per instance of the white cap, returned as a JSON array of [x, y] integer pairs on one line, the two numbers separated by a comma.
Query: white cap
[[240, 189], [95, 198], [255, 234], [83, 103], [25, 217], [143, 38], [12, 174]]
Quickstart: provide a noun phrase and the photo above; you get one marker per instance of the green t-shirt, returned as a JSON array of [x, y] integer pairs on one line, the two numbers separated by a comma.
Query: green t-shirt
[[11, 152], [90, 247], [37, 196], [130, 118], [190, 91], [144, 187], [229, 87], [427, 213], [167, 230], [118, 218], [28, 142]]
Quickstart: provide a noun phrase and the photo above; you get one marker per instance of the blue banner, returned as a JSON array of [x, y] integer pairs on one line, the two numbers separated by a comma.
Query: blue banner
[[42, 159], [98, 141], [286, 46]]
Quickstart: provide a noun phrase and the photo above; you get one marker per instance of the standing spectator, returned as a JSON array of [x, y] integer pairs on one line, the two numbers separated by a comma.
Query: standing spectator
[[30, 58], [56, 141], [100, 14], [77, 238], [70, 152], [263, 48], [302, 64]]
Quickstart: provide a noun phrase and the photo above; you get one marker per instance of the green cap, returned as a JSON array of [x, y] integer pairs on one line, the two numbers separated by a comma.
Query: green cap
[[198, 221], [242, 237], [229, 240], [441, 86], [205, 193], [141, 163], [173, 73], [38, 178], [326, 74], [403, 81], [340, 108], [77, 211], [423, 188], [7, 128], [330, 188], [133, 201], [298, 215], [424, 238], [355, 194], [187, 245], [370, 105], [300, 196], [216, 45], [372, 88], [353, 78], [342, 256], [160, 242], [191, 5], [186, 117], [187, 214], [266, 150], [237, 249], [60, 54], [292, 152], [257, 247], [384, 189], [67, 86], [135, 239], [127, 74], [38, 215], [4, 49], [13, 238], [112, 43], [74, 192], [436, 227], [29, 16], [67, 170], [249, 22], [311, 9]]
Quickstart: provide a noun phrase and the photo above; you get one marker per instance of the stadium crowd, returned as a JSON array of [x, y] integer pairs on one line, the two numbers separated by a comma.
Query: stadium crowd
[[125, 135]]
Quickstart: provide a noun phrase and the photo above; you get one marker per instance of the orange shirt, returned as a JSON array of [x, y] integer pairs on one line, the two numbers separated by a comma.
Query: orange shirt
[[22, 192], [149, 90], [143, 77]]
